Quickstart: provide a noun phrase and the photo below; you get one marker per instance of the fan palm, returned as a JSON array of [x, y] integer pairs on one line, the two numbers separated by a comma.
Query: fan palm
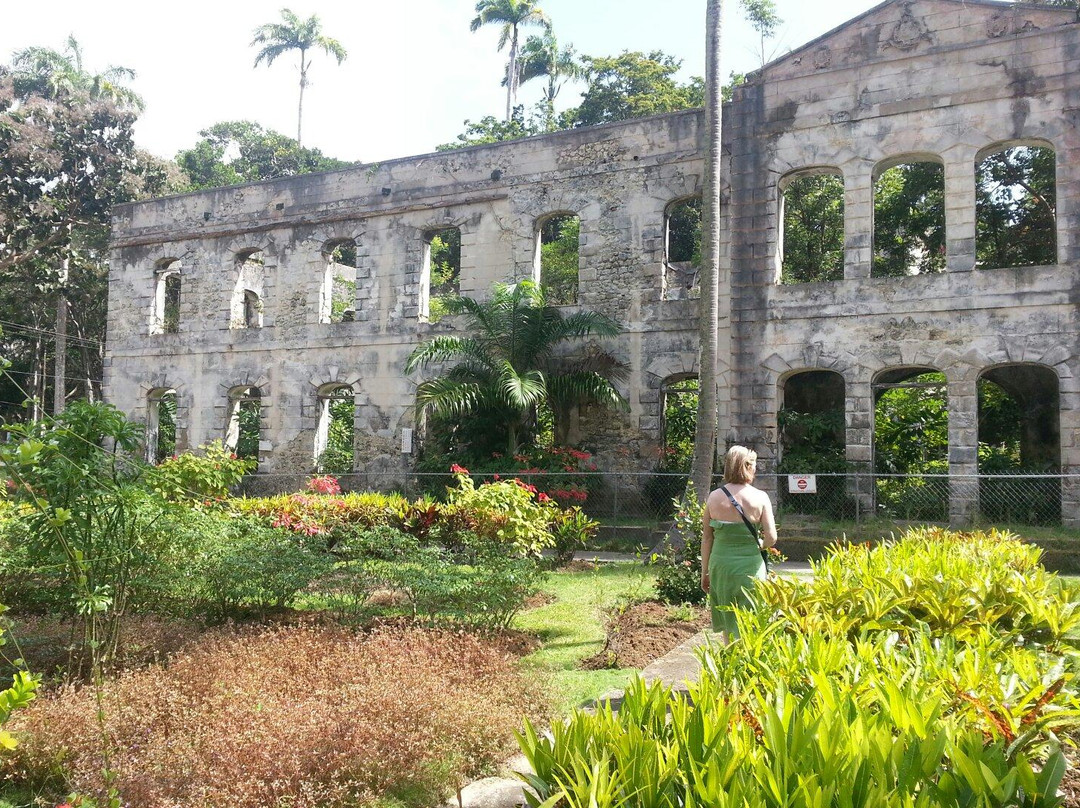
[[541, 57], [60, 74], [511, 15], [513, 362], [292, 33]]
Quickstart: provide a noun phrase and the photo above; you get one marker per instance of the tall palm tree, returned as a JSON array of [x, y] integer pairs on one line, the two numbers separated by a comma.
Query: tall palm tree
[[511, 15], [56, 75], [512, 362], [292, 33], [705, 436], [541, 57]]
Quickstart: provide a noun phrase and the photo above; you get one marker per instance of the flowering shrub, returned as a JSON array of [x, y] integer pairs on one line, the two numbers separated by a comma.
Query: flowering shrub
[[324, 485], [560, 472], [678, 578], [512, 507], [330, 515], [306, 717], [191, 477]]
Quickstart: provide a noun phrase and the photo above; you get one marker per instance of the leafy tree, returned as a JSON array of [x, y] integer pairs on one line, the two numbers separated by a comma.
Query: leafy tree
[[338, 457], [814, 229], [56, 74], [511, 16], [292, 33], [543, 58], [491, 130], [680, 423], [632, 85], [445, 270], [1015, 210], [762, 16], [909, 220], [559, 259], [513, 363], [911, 427], [235, 152]]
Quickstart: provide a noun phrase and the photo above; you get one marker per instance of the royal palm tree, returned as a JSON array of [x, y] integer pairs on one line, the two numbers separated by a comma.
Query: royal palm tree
[[515, 361], [705, 436], [511, 15], [57, 75], [290, 34], [541, 57]]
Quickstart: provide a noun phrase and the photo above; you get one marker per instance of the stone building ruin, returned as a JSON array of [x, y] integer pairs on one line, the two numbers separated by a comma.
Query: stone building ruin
[[226, 299]]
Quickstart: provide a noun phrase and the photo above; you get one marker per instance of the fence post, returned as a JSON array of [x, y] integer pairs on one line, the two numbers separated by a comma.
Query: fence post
[[858, 499], [615, 501]]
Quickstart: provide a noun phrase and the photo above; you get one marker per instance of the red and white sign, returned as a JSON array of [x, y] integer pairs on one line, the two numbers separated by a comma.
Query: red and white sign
[[802, 484]]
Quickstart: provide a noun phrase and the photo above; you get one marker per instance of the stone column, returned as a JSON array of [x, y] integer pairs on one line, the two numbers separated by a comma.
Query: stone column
[[960, 208], [858, 218], [1069, 424], [963, 446], [859, 436]]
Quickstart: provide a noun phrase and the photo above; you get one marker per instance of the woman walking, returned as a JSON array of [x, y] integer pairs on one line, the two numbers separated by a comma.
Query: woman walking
[[737, 525]]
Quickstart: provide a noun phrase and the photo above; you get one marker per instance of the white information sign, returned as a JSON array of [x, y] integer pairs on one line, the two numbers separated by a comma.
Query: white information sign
[[802, 484], [406, 441]]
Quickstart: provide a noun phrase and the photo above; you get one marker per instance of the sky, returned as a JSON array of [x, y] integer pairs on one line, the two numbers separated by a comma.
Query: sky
[[414, 72]]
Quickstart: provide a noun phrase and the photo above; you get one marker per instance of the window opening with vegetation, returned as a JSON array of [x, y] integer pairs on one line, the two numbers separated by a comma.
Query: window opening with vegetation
[[337, 303], [911, 438], [334, 435], [1019, 433], [443, 266], [813, 222], [247, 306], [160, 425], [682, 248], [909, 221], [1016, 208], [558, 255], [813, 441], [167, 298], [245, 422], [679, 402]]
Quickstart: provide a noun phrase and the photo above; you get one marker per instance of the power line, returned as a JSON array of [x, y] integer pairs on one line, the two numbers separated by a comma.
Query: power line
[[32, 329], [51, 376]]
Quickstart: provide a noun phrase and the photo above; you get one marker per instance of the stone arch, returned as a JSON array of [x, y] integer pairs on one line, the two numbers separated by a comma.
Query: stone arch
[[908, 212], [337, 289], [247, 399], [168, 284], [820, 191], [248, 295], [682, 239], [1016, 219], [560, 272]]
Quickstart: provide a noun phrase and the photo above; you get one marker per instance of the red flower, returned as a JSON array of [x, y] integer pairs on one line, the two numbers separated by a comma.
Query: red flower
[[542, 497], [456, 469], [496, 477], [232, 456]]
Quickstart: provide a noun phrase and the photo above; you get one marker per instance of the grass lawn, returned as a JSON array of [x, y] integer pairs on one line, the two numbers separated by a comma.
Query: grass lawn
[[572, 628]]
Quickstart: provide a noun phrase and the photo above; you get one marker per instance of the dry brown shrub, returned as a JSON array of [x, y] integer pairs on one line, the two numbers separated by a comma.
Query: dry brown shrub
[[301, 716]]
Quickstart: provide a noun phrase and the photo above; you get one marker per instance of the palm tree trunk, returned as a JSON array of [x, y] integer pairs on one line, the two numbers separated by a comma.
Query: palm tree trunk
[[705, 434], [511, 78], [300, 106]]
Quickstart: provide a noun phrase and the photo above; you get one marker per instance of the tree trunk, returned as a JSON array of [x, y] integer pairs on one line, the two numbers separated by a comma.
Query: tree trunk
[[511, 77], [300, 106], [705, 434], [60, 366]]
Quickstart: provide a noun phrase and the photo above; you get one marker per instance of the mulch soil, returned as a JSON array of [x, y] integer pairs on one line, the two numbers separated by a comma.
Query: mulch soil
[[1070, 784], [643, 633]]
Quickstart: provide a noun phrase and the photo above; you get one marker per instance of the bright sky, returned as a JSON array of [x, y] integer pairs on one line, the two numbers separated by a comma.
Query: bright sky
[[414, 71]]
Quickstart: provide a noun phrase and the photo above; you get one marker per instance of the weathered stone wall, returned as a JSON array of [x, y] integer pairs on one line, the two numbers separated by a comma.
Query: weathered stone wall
[[939, 80]]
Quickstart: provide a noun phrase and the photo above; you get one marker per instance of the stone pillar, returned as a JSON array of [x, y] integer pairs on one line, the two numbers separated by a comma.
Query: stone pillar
[[859, 436], [1069, 424], [858, 218], [963, 446], [960, 208]]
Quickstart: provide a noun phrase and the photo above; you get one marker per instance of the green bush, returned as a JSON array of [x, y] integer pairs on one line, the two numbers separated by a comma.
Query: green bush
[[678, 577], [571, 530], [928, 671], [191, 477]]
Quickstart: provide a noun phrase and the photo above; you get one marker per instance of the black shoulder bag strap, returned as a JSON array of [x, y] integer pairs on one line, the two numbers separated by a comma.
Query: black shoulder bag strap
[[749, 525]]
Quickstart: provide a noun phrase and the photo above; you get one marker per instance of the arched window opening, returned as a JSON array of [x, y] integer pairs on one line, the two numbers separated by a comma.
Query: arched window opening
[[160, 425], [812, 218], [244, 430], [558, 258], [167, 298], [813, 441], [911, 443], [334, 434], [1016, 208], [337, 300], [682, 249], [247, 307], [678, 410], [1019, 434], [441, 274], [909, 220]]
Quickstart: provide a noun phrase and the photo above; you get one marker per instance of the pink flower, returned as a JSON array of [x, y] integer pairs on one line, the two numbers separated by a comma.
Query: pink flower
[[324, 485], [542, 497], [456, 469]]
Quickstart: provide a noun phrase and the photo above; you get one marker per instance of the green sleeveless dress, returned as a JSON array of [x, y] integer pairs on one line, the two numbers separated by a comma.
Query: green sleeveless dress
[[734, 562]]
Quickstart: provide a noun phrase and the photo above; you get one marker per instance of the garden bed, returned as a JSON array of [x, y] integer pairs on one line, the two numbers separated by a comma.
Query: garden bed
[[642, 633]]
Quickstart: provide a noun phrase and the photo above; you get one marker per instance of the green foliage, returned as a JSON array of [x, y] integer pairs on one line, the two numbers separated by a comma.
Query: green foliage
[[338, 457], [445, 270], [524, 519], [559, 259], [909, 221], [571, 530], [235, 152], [927, 672], [196, 477], [813, 229], [166, 418], [911, 427], [678, 578], [813, 442], [632, 85], [23, 690], [684, 232], [1016, 208], [510, 365], [490, 129]]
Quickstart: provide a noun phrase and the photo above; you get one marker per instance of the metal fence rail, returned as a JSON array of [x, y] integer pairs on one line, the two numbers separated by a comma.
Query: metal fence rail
[[642, 502]]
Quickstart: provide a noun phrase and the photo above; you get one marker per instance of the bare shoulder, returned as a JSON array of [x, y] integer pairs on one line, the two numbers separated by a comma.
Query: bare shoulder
[[758, 497]]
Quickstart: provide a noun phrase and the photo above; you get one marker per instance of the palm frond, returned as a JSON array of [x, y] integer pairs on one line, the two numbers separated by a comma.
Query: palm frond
[[522, 391], [444, 348], [585, 387], [447, 397], [585, 324]]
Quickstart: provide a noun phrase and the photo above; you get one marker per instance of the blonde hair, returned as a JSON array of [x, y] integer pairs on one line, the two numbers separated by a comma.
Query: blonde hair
[[737, 463]]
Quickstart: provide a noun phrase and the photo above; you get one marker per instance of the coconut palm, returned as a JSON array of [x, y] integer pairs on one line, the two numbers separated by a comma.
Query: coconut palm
[[292, 33], [56, 75], [511, 15], [705, 436], [515, 361], [541, 57]]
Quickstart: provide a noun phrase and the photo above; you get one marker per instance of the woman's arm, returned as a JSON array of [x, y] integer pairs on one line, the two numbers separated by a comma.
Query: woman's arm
[[768, 524], [706, 546]]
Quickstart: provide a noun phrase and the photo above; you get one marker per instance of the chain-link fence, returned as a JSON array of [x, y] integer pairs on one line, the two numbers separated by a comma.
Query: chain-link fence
[[638, 509]]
